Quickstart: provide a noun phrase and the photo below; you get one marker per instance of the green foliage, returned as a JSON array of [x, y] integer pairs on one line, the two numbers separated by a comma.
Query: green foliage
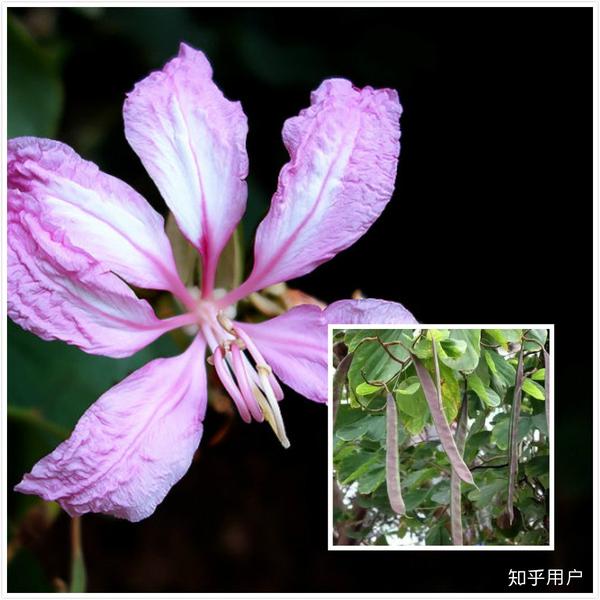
[[34, 88], [479, 366]]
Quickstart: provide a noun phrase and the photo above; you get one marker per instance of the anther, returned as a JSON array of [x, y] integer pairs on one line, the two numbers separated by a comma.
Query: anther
[[225, 322]]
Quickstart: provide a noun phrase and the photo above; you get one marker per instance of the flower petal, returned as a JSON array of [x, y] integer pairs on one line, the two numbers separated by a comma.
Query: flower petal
[[132, 445], [294, 345], [344, 153], [58, 291], [72, 200], [192, 142], [366, 311]]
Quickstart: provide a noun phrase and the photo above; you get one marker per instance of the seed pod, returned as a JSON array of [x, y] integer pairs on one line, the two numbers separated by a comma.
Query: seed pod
[[434, 400], [339, 381], [392, 474], [514, 431], [547, 387], [455, 498]]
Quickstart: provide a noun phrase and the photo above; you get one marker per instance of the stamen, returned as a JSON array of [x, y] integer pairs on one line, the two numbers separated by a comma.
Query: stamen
[[258, 359], [227, 380], [241, 375], [271, 406]]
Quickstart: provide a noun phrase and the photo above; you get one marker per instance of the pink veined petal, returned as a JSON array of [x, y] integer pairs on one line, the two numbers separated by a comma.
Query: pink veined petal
[[366, 311], [76, 203], [344, 154], [192, 141], [58, 291], [294, 345], [132, 445]]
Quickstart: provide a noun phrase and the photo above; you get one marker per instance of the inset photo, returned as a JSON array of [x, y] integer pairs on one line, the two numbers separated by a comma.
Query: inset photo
[[440, 437]]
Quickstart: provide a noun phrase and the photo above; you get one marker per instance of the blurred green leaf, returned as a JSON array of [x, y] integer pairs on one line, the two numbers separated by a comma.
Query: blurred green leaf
[[534, 389], [34, 90], [58, 382]]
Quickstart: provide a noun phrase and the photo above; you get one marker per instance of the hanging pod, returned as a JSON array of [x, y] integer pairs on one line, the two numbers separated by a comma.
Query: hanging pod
[[514, 437], [433, 396], [455, 491], [392, 474]]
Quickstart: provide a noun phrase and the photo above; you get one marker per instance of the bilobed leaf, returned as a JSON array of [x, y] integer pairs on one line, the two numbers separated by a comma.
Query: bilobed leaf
[[534, 389]]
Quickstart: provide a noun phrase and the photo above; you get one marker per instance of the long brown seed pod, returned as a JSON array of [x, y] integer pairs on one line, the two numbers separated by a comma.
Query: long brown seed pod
[[392, 474], [339, 381], [514, 436], [455, 497], [547, 388], [434, 400]]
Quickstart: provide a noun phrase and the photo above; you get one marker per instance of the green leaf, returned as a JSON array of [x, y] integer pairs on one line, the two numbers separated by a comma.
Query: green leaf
[[539, 335], [34, 90], [539, 375], [371, 358], [484, 496], [503, 373], [413, 407], [453, 348], [437, 334], [500, 431], [423, 349], [438, 535], [486, 394], [414, 498], [534, 389], [355, 429], [58, 382], [371, 479], [451, 397], [359, 464], [504, 336], [407, 390], [365, 389], [468, 361]]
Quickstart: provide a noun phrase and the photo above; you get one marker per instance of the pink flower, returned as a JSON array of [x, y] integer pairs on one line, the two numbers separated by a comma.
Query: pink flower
[[76, 235]]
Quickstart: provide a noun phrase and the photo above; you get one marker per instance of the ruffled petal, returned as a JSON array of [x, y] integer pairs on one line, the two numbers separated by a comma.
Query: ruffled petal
[[192, 142], [367, 311], [78, 205], [132, 445], [294, 345], [58, 291], [344, 153]]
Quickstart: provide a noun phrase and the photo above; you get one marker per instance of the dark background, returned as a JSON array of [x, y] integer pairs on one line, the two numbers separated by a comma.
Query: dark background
[[490, 223]]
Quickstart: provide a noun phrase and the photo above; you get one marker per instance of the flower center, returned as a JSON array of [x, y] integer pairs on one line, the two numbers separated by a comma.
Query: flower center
[[241, 368]]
